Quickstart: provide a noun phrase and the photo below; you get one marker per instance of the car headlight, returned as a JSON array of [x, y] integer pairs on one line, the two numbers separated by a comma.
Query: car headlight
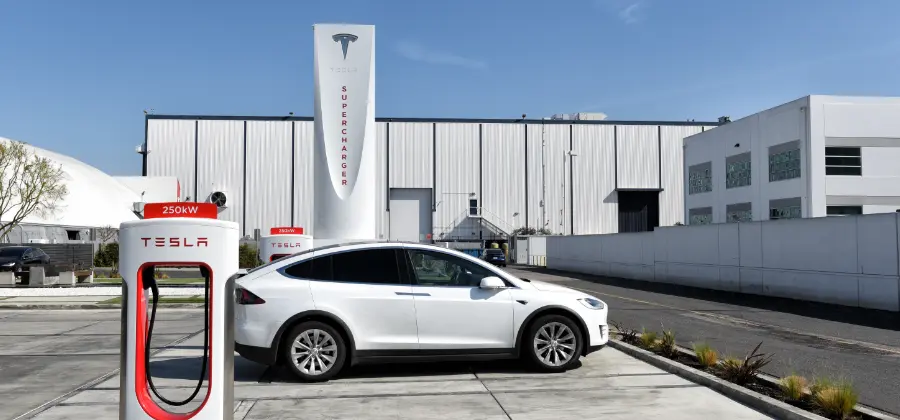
[[9, 264], [592, 303]]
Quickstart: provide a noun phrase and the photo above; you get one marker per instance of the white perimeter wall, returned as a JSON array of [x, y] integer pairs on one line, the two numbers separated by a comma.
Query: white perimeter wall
[[849, 261], [511, 168]]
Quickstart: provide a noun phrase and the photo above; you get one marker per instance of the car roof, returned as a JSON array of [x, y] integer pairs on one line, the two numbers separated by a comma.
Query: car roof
[[15, 247]]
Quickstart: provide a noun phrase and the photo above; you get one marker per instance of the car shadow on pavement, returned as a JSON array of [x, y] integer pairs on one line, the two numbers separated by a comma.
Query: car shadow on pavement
[[399, 372], [859, 316], [189, 368]]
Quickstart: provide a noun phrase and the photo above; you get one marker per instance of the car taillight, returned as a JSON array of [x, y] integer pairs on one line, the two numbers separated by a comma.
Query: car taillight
[[245, 297]]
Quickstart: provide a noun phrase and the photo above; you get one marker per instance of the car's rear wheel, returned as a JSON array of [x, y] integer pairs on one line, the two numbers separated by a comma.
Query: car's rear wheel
[[315, 351], [553, 344]]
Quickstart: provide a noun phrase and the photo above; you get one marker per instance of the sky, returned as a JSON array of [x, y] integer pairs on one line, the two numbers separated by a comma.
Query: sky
[[76, 76]]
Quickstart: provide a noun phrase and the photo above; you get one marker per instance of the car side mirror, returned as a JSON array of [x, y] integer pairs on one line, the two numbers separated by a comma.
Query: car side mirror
[[492, 283]]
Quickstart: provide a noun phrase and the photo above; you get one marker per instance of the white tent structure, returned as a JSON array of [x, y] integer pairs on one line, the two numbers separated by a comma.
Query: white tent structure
[[94, 199]]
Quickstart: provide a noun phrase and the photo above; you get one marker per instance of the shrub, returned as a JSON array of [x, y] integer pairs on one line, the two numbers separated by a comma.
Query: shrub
[[820, 384], [792, 387], [742, 371], [107, 255], [667, 344], [648, 340], [836, 401], [627, 335], [706, 355], [247, 256]]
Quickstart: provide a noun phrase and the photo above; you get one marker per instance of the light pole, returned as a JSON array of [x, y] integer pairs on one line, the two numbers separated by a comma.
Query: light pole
[[562, 211]]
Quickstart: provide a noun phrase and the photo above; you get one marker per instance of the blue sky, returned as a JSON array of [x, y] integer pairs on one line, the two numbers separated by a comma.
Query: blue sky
[[75, 76]]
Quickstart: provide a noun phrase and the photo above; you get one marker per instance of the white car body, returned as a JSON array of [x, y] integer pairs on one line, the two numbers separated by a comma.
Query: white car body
[[409, 320]]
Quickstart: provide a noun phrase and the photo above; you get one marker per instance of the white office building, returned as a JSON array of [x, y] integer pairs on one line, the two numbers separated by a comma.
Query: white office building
[[437, 179], [812, 157]]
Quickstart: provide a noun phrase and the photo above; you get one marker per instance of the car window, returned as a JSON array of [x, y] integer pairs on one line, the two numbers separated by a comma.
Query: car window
[[440, 269], [11, 252], [377, 266], [313, 269], [493, 252]]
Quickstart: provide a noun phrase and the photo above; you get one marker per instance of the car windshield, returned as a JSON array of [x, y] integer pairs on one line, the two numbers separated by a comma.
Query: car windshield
[[12, 252]]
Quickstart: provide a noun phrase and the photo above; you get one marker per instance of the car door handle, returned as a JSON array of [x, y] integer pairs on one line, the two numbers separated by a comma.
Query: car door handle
[[412, 294]]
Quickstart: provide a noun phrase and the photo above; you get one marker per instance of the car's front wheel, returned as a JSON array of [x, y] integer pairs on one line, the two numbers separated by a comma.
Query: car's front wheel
[[554, 343], [315, 351]]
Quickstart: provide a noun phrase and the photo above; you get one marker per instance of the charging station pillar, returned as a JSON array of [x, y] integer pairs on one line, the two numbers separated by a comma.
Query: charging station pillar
[[283, 241], [177, 235]]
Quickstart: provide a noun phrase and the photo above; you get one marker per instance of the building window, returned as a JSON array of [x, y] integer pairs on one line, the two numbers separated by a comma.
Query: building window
[[736, 213], [700, 178], [787, 208], [737, 171], [843, 161], [844, 210], [784, 165], [700, 216]]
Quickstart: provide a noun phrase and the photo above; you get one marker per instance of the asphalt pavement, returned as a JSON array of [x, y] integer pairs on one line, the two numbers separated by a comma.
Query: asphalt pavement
[[60, 364], [47, 354], [814, 340]]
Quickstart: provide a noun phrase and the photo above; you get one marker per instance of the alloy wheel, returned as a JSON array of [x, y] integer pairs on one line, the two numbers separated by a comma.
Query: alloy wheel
[[554, 344], [314, 352]]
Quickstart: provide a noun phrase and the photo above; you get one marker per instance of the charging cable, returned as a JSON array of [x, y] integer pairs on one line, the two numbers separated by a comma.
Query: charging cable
[[150, 280]]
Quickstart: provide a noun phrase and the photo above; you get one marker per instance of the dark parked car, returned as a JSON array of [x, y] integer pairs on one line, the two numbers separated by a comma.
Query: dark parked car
[[494, 256], [21, 258]]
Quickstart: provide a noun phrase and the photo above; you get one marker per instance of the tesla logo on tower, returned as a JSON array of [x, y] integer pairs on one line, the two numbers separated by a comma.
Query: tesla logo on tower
[[345, 40]]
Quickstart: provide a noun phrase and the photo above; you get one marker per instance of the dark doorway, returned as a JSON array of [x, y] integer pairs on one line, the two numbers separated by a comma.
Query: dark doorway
[[638, 211]]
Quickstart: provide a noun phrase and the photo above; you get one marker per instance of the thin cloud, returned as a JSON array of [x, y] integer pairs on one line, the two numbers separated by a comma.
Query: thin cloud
[[631, 14], [418, 52], [628, 11]]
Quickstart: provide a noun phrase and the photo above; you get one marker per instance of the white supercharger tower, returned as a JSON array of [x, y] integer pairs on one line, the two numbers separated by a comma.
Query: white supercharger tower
[[177, 235], [283, 241], [344, 205]]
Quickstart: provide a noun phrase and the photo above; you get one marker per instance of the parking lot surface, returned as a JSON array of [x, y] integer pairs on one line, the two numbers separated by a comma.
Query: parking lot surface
[[814, 340], [59, 355]]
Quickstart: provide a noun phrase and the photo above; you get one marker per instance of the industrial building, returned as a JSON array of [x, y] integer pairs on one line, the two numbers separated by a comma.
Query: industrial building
[[438, 179], [812, 157]]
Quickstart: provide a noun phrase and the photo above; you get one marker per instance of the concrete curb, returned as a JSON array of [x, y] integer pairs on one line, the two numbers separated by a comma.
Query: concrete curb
[[27, 306], [762, 403]]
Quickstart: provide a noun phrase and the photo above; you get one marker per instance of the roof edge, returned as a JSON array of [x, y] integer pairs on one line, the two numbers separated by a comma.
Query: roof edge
[[437, 120]]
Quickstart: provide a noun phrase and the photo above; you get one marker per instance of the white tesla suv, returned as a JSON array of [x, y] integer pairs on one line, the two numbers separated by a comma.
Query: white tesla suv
[[322, 309]]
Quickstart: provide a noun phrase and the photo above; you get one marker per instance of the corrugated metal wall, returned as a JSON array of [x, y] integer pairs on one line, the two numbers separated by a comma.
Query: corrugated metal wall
[[458, 174], [594, 176], [637, 154], [220, 165], [492, 160], [545, 164], [171, 144], [503, 181], [382, 220], [304, 136], [268, 175], [671, 199], [411, 145]]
